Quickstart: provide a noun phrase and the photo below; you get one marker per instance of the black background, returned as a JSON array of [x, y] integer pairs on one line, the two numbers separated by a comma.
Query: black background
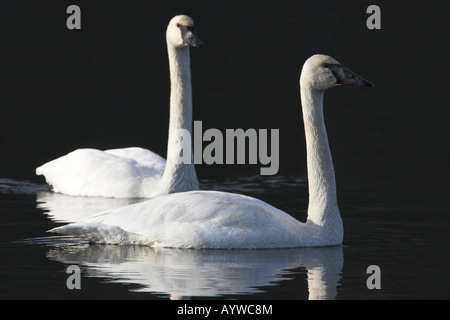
[[107, 85]]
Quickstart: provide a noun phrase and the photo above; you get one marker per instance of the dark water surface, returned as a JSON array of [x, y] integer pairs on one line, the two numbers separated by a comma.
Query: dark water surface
[[107, 86], [408, 242]]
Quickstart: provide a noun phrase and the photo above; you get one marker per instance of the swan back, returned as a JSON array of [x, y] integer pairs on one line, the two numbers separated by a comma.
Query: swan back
[[118, 173]]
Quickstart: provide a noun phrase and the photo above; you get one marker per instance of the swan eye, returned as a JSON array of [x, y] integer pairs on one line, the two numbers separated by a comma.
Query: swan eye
[[326, 65], [178, 25]]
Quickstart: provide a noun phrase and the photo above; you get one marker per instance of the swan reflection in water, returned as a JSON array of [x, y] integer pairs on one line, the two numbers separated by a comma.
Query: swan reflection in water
[[186, 273], [67, 209]]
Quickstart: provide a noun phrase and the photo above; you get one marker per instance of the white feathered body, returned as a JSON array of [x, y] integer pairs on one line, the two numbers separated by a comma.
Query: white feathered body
[[120, 173], [202, 219]]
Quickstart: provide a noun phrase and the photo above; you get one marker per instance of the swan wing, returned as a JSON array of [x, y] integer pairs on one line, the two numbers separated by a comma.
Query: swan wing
[[195, 219], [90, 172], [143, 157]]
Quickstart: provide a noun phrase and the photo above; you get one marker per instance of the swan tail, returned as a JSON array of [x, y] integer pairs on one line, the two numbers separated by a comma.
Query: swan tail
[[101, 233]]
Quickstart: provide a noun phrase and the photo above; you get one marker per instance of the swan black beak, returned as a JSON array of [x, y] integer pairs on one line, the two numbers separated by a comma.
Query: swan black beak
[[190, 36], [346, 77]]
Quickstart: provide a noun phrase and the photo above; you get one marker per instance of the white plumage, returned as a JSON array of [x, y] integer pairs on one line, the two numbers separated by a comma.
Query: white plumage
[[120, 173], [136, 172], [211, 219], [196, 219]]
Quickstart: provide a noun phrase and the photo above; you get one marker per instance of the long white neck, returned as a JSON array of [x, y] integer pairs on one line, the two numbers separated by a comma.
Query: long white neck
[[179, 177], [323, 206]]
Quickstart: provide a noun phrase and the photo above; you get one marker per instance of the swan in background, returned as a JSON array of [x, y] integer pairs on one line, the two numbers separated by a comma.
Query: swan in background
[[213, 219], [136, 172]]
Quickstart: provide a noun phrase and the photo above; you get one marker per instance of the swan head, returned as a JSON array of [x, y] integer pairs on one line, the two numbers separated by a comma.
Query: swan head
[[323, 72], [181, 32]]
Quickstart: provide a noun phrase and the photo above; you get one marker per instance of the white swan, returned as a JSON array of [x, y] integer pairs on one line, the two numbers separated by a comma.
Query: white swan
[[212, 219], [136, 172]]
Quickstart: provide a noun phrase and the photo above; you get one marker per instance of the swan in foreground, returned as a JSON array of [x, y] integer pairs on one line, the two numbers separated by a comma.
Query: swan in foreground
[[136, 172], [213, 219]]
